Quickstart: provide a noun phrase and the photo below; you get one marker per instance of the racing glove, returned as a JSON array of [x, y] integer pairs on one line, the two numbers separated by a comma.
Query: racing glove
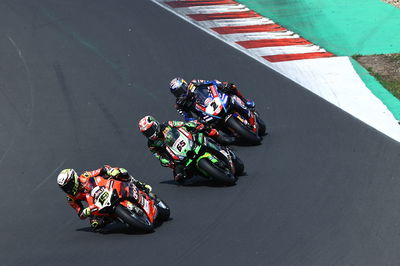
[[212, 132], [250, 103], [199, 126], [113, 172], [118, 173], [143, 186], [228, 87], [231, 88], [165, 162], [85, 213]]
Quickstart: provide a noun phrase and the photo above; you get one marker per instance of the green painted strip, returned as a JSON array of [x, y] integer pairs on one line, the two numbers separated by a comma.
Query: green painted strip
[[391, 102], [344, 27]]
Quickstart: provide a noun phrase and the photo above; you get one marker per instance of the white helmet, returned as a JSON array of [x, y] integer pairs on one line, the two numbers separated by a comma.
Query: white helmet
[[68, 181]]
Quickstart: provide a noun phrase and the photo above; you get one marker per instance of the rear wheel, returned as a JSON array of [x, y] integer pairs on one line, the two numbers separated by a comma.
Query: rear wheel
[[223, 176], [244, 132], [135, 221]]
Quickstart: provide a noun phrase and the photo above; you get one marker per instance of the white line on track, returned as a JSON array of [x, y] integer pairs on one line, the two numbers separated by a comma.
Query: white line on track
[[29, 77], [232, 22], [213, 9], [259, 35], [293, 49]]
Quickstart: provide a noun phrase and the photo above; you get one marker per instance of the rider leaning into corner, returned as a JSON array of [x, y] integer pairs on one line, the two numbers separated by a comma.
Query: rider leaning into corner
[[78, 189], [153, 131], [186, 98]]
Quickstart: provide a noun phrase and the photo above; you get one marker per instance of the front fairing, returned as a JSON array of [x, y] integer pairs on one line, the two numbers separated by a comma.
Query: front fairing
[[107, 193], [211, 103], [141, 199], [101, 196], [179, 143]]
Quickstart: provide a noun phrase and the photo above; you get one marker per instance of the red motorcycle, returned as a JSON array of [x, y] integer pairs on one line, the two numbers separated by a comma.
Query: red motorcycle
[[124, 202]]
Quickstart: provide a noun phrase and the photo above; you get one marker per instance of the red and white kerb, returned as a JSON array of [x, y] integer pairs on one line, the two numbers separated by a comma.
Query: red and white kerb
[[245, 28]]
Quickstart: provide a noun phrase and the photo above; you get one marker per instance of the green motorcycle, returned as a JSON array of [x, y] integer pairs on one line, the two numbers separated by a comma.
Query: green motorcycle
[[202, 155]]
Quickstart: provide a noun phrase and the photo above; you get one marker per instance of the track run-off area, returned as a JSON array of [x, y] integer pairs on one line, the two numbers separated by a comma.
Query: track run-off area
[[76, 76]]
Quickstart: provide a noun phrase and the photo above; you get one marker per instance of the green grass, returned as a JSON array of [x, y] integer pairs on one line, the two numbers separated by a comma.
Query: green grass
[[391, 85], [395, 58]]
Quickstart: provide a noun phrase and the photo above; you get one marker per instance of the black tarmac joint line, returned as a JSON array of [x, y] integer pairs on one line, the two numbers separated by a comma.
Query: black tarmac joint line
[[76, 77]]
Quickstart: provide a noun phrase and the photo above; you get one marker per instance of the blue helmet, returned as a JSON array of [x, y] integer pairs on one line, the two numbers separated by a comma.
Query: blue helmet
[[178, 87]]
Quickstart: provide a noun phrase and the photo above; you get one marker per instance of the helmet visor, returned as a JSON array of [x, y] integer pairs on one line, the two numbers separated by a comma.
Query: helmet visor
[[68, 188], [181, 91], [151, 132], [71, 187]]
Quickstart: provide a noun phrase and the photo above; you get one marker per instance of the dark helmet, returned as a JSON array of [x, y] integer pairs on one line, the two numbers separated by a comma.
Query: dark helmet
[[68, 181], [178, 87], [150, 127]]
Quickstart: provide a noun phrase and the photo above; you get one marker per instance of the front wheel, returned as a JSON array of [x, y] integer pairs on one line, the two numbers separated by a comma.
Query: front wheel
[[239, 166], [163, 211], [135, 221], [223, 176], [244, 132], [262, 128]]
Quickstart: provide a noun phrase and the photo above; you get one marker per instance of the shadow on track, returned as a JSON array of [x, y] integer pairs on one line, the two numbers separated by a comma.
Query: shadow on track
[[198, 181], [119, 228]]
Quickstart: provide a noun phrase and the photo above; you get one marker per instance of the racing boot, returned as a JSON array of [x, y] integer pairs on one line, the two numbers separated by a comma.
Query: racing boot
[[180, 174], [96, 223]]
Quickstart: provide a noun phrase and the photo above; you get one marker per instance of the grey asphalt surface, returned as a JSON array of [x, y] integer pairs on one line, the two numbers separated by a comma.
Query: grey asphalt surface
[[75, 78]]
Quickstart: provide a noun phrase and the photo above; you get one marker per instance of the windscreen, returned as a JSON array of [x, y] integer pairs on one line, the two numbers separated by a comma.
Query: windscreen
[[202, 93], [172, 136]]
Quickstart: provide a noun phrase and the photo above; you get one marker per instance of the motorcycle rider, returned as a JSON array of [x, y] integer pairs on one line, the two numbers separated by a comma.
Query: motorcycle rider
[[186, 97], [153, 131], [78, 189]]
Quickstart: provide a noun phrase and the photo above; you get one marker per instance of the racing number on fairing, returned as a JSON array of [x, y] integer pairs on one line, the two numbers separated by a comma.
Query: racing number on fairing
[[103, 197], [145, 204], [180, 145], [214, 106]]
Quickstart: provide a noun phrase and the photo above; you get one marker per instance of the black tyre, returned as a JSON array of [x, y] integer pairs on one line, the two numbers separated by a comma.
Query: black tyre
[[220, 175], [135, 221], [262, 128], [244, 132], [239, 166], [163, 211]]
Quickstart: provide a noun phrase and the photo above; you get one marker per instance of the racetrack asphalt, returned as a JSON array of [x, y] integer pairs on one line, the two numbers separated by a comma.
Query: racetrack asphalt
[[75, 78]]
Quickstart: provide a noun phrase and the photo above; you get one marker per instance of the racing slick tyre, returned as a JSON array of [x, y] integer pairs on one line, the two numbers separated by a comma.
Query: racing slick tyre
[[244, 133], [262, 128], [217, 174], [239, 166], [163, 211], [135, 221]]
